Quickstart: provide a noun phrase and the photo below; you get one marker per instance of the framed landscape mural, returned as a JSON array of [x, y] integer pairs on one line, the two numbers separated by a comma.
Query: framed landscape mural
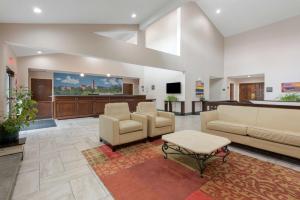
[[290, 87], [74, 84]]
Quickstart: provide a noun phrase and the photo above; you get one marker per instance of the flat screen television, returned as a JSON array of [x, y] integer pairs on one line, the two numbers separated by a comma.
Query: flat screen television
[[174, 88]]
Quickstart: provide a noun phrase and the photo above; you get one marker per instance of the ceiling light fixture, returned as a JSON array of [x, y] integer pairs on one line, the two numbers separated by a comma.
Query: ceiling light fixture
[[39, 52], [37, 10], [82, 74], [218, 11], [108, 75], [133, 15], [249, 76]]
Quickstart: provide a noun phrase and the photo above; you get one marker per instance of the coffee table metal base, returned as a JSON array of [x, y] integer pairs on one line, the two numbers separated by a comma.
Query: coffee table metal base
[[199, 158]]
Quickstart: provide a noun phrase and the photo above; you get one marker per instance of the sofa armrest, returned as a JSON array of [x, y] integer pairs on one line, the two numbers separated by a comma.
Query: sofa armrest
[[140, 118], [109, 129], [165, 114], [207, 117], [168, 115]]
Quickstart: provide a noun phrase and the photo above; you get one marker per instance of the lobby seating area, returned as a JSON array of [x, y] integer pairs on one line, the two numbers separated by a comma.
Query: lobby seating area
[[272, 129], [150, 100], [119, 126]]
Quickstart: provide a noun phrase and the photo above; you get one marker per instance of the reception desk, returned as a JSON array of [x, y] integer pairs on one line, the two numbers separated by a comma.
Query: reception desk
[[68, 107]]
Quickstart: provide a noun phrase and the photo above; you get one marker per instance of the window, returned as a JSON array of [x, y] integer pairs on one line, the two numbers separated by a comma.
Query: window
[[9, 87]]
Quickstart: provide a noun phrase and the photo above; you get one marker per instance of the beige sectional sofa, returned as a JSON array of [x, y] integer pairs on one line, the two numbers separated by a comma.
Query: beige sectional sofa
[[272, 129]]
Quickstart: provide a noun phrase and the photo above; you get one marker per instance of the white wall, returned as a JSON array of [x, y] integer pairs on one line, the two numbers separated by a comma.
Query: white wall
[[202, 50], [7, 59], [77, 64], [272, 50], [43, 66], [164, 35], [216, 90], [159, 78]]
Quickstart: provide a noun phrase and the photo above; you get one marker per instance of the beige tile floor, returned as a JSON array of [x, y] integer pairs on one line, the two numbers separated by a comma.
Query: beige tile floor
[[54, 168]]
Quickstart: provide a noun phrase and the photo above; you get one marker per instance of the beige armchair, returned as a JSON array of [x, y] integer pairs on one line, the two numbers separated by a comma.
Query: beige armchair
[[118, 126], [159, 122]]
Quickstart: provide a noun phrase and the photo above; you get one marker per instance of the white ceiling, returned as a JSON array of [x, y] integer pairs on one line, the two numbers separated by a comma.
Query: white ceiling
[[21, 51], [236, 15], [80, 11], [241, 15]]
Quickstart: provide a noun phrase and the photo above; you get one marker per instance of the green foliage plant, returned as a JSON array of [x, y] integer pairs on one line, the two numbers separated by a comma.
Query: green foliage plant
[[171, 98], [22, 112], [291, 97]]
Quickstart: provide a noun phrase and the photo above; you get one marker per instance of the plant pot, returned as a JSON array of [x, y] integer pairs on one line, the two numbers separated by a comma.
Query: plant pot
[[7, 138]]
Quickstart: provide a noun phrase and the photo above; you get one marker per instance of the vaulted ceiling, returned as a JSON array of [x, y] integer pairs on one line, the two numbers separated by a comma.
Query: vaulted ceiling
[[80, 11], [238, 16], [235, 16]]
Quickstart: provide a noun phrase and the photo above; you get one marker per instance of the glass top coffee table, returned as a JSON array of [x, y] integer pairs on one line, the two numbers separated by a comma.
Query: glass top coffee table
[[197, 145]]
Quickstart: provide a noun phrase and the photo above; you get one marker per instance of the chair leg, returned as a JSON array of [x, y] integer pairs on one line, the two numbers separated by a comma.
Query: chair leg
[[113, 148]]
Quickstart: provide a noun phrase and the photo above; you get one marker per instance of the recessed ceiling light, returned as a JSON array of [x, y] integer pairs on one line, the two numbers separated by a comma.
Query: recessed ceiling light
[[133, 15], [37, 10], [39, 52], [249, 76], [218, 11], [82, 74], [108, 75]]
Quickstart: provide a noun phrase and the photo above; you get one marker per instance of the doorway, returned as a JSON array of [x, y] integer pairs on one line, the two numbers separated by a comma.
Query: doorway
[[251, 91], [128, 89], [42, 93], [231, 92]]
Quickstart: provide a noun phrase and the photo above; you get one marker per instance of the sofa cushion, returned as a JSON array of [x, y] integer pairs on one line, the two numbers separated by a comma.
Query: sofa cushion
[[162, 122], [117, 110], [148, 108], [238, 114], [229, 127], [279, 136], [279, 119], [128, 126]]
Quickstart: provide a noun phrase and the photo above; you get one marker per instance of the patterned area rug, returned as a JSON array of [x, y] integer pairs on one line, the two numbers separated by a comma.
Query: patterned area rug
[[140, 172]]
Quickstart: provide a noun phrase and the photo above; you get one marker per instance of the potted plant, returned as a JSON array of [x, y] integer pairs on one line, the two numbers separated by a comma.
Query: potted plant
[[23, 111], [292, 97], [171, 98]]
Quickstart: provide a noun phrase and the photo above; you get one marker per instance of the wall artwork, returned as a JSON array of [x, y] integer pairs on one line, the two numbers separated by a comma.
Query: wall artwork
[[74, 84], [200, 89], [290, 87]]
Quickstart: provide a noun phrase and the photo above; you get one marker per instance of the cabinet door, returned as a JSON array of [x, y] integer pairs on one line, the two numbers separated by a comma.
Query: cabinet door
[[85, 108], [65, 109], [98, 107]]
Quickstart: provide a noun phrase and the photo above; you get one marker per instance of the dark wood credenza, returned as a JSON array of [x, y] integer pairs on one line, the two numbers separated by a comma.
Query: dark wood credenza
[[169, 107], [68, 107]]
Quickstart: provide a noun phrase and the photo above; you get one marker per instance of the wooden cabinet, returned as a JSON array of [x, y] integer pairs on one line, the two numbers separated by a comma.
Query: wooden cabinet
[[68, 107], [65, 108], [98, 106]]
